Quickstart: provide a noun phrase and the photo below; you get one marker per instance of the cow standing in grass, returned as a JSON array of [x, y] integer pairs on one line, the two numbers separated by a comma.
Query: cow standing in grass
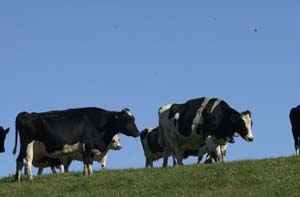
[[63, 133], [204, 124], [295, 122]]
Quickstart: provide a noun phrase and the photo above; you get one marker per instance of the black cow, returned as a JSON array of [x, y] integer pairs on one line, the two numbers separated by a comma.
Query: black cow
[[86, 130], [203, 121], [295, 122], [3, 133]]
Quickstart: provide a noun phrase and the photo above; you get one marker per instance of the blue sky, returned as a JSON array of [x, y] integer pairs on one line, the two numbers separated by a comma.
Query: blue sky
[[144, 54]]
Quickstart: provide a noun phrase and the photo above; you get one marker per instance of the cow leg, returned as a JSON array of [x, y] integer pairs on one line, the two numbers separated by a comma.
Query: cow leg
[[165, 161], [40, 171], [88, 161], [179, 157], [213, 149], [203, 149], [297, 150], [19, 166], [53, 170], [146, 163], [66, 163], [28, 159], [174, 161], [61, 168], [103, 162], [223, 152], [209, 159]]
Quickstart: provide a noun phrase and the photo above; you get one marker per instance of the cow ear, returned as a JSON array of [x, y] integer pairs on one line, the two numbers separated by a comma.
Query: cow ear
[[248, 112], [6, 131], [172, 112]]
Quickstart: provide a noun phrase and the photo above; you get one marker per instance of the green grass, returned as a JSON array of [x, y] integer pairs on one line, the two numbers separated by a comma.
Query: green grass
[[269, 177]]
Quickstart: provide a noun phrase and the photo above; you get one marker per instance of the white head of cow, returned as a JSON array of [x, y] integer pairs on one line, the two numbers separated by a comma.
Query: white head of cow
[[246, 128], [115, 143]]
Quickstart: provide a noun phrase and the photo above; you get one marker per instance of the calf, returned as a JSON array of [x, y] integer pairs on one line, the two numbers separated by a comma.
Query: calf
[[102, 158], [64, 163]]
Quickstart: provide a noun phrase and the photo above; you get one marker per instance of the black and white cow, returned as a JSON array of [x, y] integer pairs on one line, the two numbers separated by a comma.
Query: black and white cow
[[41, 161], [154, 151], [86, 130], [295, 122], [3, 133], [101, 158], [204, 124]]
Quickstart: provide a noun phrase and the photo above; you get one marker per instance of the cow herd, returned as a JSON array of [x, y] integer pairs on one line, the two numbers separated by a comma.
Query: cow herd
[[194, 128]]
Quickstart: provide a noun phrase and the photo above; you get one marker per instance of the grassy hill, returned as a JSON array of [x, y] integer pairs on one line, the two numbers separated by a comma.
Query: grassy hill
[[269, 177]]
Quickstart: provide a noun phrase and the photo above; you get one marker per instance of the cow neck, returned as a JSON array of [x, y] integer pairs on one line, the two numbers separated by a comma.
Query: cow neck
[[227, 127], [109, 130]]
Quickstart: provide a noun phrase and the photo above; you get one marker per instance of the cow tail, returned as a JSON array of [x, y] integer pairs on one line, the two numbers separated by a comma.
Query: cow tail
[[16, 136]]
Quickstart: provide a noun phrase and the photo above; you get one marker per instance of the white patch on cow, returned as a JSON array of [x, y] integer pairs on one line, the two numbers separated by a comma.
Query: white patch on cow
[[198, 120], [28, 160], [216, 103], [62, 168], [297, 152], [248, 122], [115, 143], [68, 149], [165, 108], [177, 116], [129, 113]]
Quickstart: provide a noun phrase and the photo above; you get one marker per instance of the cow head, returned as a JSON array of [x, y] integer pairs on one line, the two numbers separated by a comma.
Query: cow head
[[243, 125], [115, 143], [3, 133], [126, 123]]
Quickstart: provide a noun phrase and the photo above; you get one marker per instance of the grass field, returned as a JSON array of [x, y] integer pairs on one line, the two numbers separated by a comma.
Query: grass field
[[268, 177]]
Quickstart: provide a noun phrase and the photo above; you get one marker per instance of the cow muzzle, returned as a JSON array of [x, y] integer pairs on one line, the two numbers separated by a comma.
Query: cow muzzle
[[249, 138], [119, 147]]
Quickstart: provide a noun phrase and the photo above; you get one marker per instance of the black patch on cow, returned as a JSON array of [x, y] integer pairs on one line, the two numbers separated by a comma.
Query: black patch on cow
[[152, 138]]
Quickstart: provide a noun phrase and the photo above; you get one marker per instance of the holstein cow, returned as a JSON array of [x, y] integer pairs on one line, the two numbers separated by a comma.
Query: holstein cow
[[3, 133], [204, 124], [101, 158], [295, 122], [41, 161], [86, 130], [153, 151]]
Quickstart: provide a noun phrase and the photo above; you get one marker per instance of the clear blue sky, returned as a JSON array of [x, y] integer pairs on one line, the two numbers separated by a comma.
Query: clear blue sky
[[144, 54]]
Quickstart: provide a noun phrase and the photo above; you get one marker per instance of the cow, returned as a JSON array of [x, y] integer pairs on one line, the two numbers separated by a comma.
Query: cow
[[65, 132], [3, 133], [102, 158], [41, 161], [153, 151], [295, 123], [204, 124]]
